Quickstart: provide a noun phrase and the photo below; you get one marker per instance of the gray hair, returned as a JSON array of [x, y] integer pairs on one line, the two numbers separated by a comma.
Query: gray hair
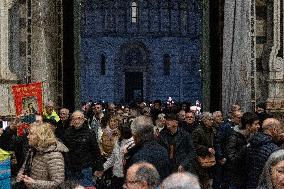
[[78, 112], [181, 181], [265, 180], [205, 116], [142, 128], [147, 172], [216, 113]]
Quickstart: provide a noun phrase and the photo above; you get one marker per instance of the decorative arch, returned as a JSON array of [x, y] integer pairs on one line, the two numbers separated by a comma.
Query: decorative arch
[[132, 57]]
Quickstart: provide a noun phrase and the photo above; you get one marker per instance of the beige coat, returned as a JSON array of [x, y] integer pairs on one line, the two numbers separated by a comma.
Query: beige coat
[[48, 167]]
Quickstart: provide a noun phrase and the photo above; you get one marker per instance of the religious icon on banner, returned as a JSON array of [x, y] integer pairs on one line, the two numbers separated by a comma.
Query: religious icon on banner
[[30, 105], [28, 98]]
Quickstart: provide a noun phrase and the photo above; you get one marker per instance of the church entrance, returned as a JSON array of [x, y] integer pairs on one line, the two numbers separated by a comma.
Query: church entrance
[[133, 86], [131, 72]]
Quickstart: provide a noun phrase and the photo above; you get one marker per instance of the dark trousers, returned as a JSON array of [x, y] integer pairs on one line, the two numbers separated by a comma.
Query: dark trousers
[[83, 177], [218, 177], [117, 182]]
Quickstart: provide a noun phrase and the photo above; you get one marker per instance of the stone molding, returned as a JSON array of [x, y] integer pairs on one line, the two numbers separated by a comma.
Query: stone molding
[[275, 101], [5, 73]]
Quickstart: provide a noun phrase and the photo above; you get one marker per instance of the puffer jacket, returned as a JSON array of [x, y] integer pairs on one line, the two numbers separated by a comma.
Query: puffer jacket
[[235, 151], [47, 168], [261, 146]]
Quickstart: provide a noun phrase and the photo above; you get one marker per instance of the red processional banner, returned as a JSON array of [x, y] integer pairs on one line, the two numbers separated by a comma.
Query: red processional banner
[[28, 98]]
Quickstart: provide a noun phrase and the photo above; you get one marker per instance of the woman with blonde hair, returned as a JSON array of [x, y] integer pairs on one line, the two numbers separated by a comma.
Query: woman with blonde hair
[[44, 165]]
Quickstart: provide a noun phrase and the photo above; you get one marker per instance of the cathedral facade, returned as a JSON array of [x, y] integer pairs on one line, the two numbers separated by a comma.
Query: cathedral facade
[[140, 50], [219, 52]]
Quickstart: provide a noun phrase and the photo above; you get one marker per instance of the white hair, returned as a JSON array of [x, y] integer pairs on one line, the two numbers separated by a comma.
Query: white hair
[[181, 181]]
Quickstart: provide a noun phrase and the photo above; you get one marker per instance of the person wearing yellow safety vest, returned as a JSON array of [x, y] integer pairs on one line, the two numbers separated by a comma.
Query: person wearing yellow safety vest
[[49, 113]]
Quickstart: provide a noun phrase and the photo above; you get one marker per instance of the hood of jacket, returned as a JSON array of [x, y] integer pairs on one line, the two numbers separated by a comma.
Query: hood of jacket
[[58, 147], [259, 139]]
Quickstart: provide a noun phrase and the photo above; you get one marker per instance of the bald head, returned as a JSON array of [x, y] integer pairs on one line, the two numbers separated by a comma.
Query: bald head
[[77, 119], [181, 181], [272, 127]]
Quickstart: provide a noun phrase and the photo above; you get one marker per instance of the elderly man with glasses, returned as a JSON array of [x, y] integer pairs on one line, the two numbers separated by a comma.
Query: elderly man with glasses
[[84, 155], [143, 176]]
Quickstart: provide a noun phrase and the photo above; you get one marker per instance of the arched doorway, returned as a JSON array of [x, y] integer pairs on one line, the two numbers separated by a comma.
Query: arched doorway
[[132, 73]]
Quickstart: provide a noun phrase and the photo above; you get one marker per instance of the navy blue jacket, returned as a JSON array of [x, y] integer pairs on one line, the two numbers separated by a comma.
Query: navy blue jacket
[[261, 146], [150, 152], [223, 133]]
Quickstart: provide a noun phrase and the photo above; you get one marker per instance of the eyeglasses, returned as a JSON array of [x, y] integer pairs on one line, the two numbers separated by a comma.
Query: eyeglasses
[[127, 182], [77, 118]]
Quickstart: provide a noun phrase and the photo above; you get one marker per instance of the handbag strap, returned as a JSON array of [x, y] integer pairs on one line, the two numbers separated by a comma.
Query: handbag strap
[[28, 162]]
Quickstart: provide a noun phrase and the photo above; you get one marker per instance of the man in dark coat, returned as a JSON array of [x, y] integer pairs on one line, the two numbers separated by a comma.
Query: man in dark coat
[[84, 155], [224, 131], [63, 124], [235, 150], [190, 123], [203, 137], [262, 144], [146, 147], [179, 145]]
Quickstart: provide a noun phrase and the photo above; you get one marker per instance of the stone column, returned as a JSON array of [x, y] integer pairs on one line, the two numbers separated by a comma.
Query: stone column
[[5, 73], [205, 67], [44, 46], [237, 55], [275, 101]]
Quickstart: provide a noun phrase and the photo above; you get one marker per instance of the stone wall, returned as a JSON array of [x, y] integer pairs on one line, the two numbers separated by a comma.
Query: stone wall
[[164, 27], [183, 83], [29, 47]]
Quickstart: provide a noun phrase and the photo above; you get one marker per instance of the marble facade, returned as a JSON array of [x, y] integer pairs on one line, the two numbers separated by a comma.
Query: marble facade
[[31, 50]]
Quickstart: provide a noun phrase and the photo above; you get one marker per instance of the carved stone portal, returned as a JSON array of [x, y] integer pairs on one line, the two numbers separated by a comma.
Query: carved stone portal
[[275, 101]]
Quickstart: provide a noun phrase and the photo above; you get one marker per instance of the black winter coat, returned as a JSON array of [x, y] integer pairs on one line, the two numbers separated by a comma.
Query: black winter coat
[[235, 151], [261, 146], [188, 128], [151, 152], [185, 151], [203, 138], [61, 127], [11, 142], [83, 149]]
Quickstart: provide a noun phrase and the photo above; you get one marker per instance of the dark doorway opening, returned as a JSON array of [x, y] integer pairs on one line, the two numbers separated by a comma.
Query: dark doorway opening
[[133, 86], [68, 55], [216, 24]]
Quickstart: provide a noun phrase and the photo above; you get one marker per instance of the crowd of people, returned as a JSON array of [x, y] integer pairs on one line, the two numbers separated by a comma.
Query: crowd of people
[[146, 146]]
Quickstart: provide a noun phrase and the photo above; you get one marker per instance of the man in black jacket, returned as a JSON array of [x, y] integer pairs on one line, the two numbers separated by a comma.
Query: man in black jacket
[[179, 145], [84, 155], [236, 149], [146, 147]]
